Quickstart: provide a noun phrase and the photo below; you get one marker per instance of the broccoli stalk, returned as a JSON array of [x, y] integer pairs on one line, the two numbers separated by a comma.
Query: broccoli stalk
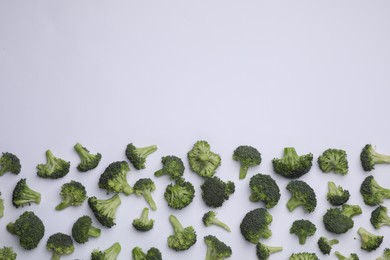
[[22, 195], [60, 244], [144, 187], [352, 256], [210, 218], [7, 253], [143, 223], [105, 210], [379, 217], [110, 253], [182, 238], [369, 158], [216, 249], [369, 241], [82, 230], [373, 194], [9, 162], [325, 244], [138, 155], [172, 166], [72, 193], [88, 161], [263, 251], [248, 156]]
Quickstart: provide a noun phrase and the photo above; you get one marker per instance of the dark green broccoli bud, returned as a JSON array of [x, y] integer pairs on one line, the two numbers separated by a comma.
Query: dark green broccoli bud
[[263, 251], [369, 158], [172, 166], [182, 238], [88, 161], [180, 194], [29, 228], [114, 178], [9, 162], [144, 187], [379, 217], [248, 156], [215, 191], [105, 210], [1, 206], [333, 160], [54, 168], [303, 256], [7, 253], [386, 254], [336, 195], [23, 195], [292, 165], [373, 194], [264, 188], [255, 225], [203, 161], [369, 241], [82, 230], [60, 244], [72, 193], [339, 221], [301, 195], [110, 253], [303, 229], [210, 218], [143, 223], [153, 254], [352, 256], [325, 244], [138, 253], [138, 155], [216, 249]]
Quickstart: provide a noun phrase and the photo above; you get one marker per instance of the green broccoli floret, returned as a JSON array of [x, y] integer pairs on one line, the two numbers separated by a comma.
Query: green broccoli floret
[[29, 228], [143, 223], [172, 166], [369, 241], [255, 225], [373, 194], [110, 253], [248, 156], [203, 161], [264, 188], [339, 221], [333, 160], [105, 210], [352, 256], [82, 230], [216, 249], [114, 178], [138, 155], [215, 191], [1, 206], [72, 193], [153, 254], [336, 195], [60, 244], [303, 228], [210, 218], [88, 161], [179, 194], [263, 251], [144, 187], [369, 158], [9, 162], [54, 168], [325, 244], [379, 217], [386, 254], [182, 238], [303, 256], [301, 195], [7, 253], [138, 253], [23, 195], [292, 165]]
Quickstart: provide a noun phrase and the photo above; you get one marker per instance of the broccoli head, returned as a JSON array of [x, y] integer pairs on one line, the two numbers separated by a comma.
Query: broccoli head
[[369, 158], [179, 194], [333, 160], [325, 244], [303, 229], [216, 249], [7, 253], [143, 223], [54, 168], [72, 193], [9, 162], [369, 241], [22, 194], [144, 187], [110, 253], [203, 161], [263, 251], [352, 256], [303, 256], [183, 237], [264, 188], [301, 195], [339, 221], [1, 206], [386, 254], [336, 195], [210, 218], [114, 178], [88, 161], [379, 217], [248, 156], [292, 165], [60, 244], [105, 210], [373, 194], [215, 191], [138, 155], [255, 225], [82, 230], [173, 166]]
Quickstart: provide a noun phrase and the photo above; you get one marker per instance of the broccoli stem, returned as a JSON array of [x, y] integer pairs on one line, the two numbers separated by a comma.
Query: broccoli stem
[[379, 158], [3, 170], [221, 224], [204, 157], [209, 253], [159, 173], [81, 150], [148, 197], [31, 195], [127, 190], [243, 171], [302, 239], [274, 249], [11, 228], [145, 151], [55, 256], [293, 203], [94, 232], [145, 215], [290, 154], [50, 158], [177, 226], [64, 204]]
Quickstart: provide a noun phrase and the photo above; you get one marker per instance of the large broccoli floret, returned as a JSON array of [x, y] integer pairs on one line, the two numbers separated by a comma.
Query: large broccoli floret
[[23, 195], [54, 168], [143, 223], [369, 241], [336, 195], [215, 191], [216, 249], [210, 218], [263, 251], [379, 217], [352, 256], [264, 188], [386, 255], [373, 194], [29, 228], [1, 206], [114, 178], [88, 161], [248, 156], [173, 166], [7, 253], [303, 229], [182, 238], [325, 244], [82, 230], [303, 256], [152, 254], [369, 158], [110, 253], [339, 221], [292, 165], [333, 160], [179, 194], [60, 244], [9, 162], [138, 155], [105, 210], [301, 195], [203, 161], [72, 193], [255, 225], [144, 187]]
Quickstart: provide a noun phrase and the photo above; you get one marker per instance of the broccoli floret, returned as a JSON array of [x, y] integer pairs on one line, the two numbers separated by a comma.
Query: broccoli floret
[[153, 254], [255, 225], [263, 251], [301, 195], [7, 253], [143, 223], [105, 210], [1, 206], [379, 217], [72, 193], [248, 156], [9, 162], [172, 166], [203, 161], [373, 194], [82, 230], [138, 253], [303, 256], [23, 195], [110, 253], [215, 191], [54, 168], [210, 218], [216, 249], [369, 241], [325, 244], [303, 228], [144, 187], [386, 254], [264, 188], [114, 178], [88, 161], [182, 238], [369, 158], [60, 244], [336, 195], [352, 256], [333, 160], [292, 165], [179, 194], [29, 228], [138, 155], [339, 221]]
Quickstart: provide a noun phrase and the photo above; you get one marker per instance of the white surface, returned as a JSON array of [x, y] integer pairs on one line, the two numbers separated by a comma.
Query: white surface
[[271, 74]]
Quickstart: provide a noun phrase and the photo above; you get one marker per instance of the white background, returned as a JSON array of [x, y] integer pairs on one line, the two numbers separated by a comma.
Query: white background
[[271, 74]]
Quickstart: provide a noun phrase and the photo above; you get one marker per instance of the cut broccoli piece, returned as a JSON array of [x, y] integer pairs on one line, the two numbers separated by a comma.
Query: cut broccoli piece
[[369, 158], [22, 195], [263, 251], [303, 256], [143, 223], [369, 241], [1, 206], [7, 253], [82, 230], [386, 254], [144, 187], [303, 229], [352, 256], [215, 191], [105, 210], [182, 238], [88, 161], [138, 253], [138, 155], [336, 195], [292, 165], [60, 244], [264, 188], [152, 254], [203, 161], [333, 160], [72, 193], [255, 225], [210, 218], [172, 166], [114, 178], [216, 249], [54, 168], [110, 253], [339, 221], [248, 156], [373, 194], [180, 194], [9, 162], [301, 195], [325, 244], [379, 217]]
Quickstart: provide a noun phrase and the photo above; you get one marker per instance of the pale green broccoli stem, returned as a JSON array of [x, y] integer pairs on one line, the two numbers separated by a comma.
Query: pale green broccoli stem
[[113, 251], [145, 151], [177, 226], [148, 197], [1, 207], [11, 228], [290, 155], [145, 215], [379, 158], [50, 158], [159, 173], [221, 224], [55, 256], [30, 196], [64, 204], [94, 232], [274, 249], [81, 151], [293, 203], [243, 171], [204, 157]]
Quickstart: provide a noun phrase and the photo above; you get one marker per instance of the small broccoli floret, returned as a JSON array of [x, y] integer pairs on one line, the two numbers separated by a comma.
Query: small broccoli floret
[[264, 188], [138, 253], [255, 225], [336, 195], [369, 241], [292, 165], [72, 193], [248, 156], [105, 210], [373, 194], [82, 230], [143, 223], [179, 194], [23, 195], [9, 162], [153, 254], [138, 155], [210, 218], [110, 253], [352, 256], [333, 160], [339, 221], [301, 195], [144, 187], [60, 244], [203, 161], [215, 191], [263, 251], [54, 168], [386, 254], [1, 206], [7, 253], [325, 244], [182, 238], [216, 249], [114, 178], [88, 161], [172, 166], [369, 158], [379, 217], [303, 228], [303, 256]]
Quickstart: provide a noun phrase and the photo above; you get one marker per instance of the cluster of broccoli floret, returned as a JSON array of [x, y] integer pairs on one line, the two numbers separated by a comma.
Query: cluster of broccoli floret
[[54, 168], [110, 253], [105, 209], [302, 195], [72, 193], [247, 156], [23, 195], [303, 229], [9, 162], [339, 220], [292, 165], [265, 189], [183, 237], [256, 224], [59, 244], [202, 160], [215, 191], [179, 194], [143, 223], [216, 249]]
